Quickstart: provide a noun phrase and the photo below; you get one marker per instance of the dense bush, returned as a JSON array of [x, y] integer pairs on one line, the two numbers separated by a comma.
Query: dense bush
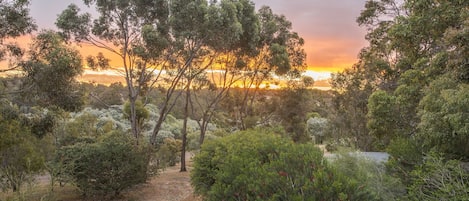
[[405, 155], [21, 152], [106, 167], [255, 165], [372, 176], [169, 152], [20, 158], [437, 179]]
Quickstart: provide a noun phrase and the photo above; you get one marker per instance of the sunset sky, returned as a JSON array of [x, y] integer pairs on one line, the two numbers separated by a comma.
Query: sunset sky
[[333, 39]]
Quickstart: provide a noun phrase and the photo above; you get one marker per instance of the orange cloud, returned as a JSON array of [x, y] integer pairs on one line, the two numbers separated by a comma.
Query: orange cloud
[[331, 54]]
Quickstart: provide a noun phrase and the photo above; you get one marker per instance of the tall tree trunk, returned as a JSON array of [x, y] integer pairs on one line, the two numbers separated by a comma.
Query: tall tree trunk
[[158, 125], [184, 127], [133, 95], [168, 105]]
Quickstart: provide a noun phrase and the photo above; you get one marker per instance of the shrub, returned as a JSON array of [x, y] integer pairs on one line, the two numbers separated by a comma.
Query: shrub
[[21, 156], [437, 179], [106, 167], [255, 165], [372, 176], [406, 154], [169, 153], [316, 128]]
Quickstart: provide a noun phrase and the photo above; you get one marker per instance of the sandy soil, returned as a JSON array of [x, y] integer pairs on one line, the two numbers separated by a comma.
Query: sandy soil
[[169, 185]]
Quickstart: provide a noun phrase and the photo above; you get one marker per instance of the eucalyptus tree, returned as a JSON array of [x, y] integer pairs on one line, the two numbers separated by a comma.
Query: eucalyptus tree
[[50, 57], [279, 50], [242, 22], [264, 44], [151, 37], [190, 27], [294, 106], [210, 32], [413, 78], [378, 68], [134, 31], [15, 21], [428, 43]]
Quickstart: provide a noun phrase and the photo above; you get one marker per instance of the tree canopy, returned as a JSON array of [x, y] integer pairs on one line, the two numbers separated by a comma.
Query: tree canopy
[[14, 22]]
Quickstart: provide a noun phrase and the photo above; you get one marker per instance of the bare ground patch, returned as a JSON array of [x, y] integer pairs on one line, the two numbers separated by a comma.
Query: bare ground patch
[[168, 185]]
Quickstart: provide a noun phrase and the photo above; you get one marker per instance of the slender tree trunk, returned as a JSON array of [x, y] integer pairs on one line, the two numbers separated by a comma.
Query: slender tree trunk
[[132, 99], [203, 131], [243, 110], [184, 128], [167, 105], [159, 122], [133, 118], [133, 94]]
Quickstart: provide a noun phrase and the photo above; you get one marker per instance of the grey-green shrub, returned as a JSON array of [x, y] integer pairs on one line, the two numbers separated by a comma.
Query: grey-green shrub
[[106, 167], [258, 165], [439, 179]]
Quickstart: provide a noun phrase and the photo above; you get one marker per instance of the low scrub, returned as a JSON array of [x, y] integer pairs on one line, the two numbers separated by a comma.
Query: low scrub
[[105, 168], [255, 165]]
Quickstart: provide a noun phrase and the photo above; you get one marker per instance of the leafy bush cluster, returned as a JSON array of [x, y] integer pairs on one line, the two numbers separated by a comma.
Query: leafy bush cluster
[[169, 152], [106, 167], [255, 165], [373, 177], [22, 149], [437, 179]]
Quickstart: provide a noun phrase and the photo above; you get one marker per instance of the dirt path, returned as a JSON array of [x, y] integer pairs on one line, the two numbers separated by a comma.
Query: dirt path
[[169, 185]]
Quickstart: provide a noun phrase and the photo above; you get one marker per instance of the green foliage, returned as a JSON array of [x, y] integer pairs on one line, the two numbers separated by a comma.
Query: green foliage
[[256, 165], [169, 152], [408, 95], [293, 113], [15, 21], [106, 167], [285, 47], [350, 106], [250, 121], [371, 176], [41, 125], [444, 124], [140, 111], [438, 179], [416, 65], [20, 154], [382, 121], [102, 96], [193, 139], [15, 13], [136, 31], [317, 128], [80, 129], [406, 154], [51, 57]]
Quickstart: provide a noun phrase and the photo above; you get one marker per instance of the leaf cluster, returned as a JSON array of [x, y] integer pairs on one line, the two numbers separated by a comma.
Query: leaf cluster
[[21, 155], [255, 165], [121, 165]]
